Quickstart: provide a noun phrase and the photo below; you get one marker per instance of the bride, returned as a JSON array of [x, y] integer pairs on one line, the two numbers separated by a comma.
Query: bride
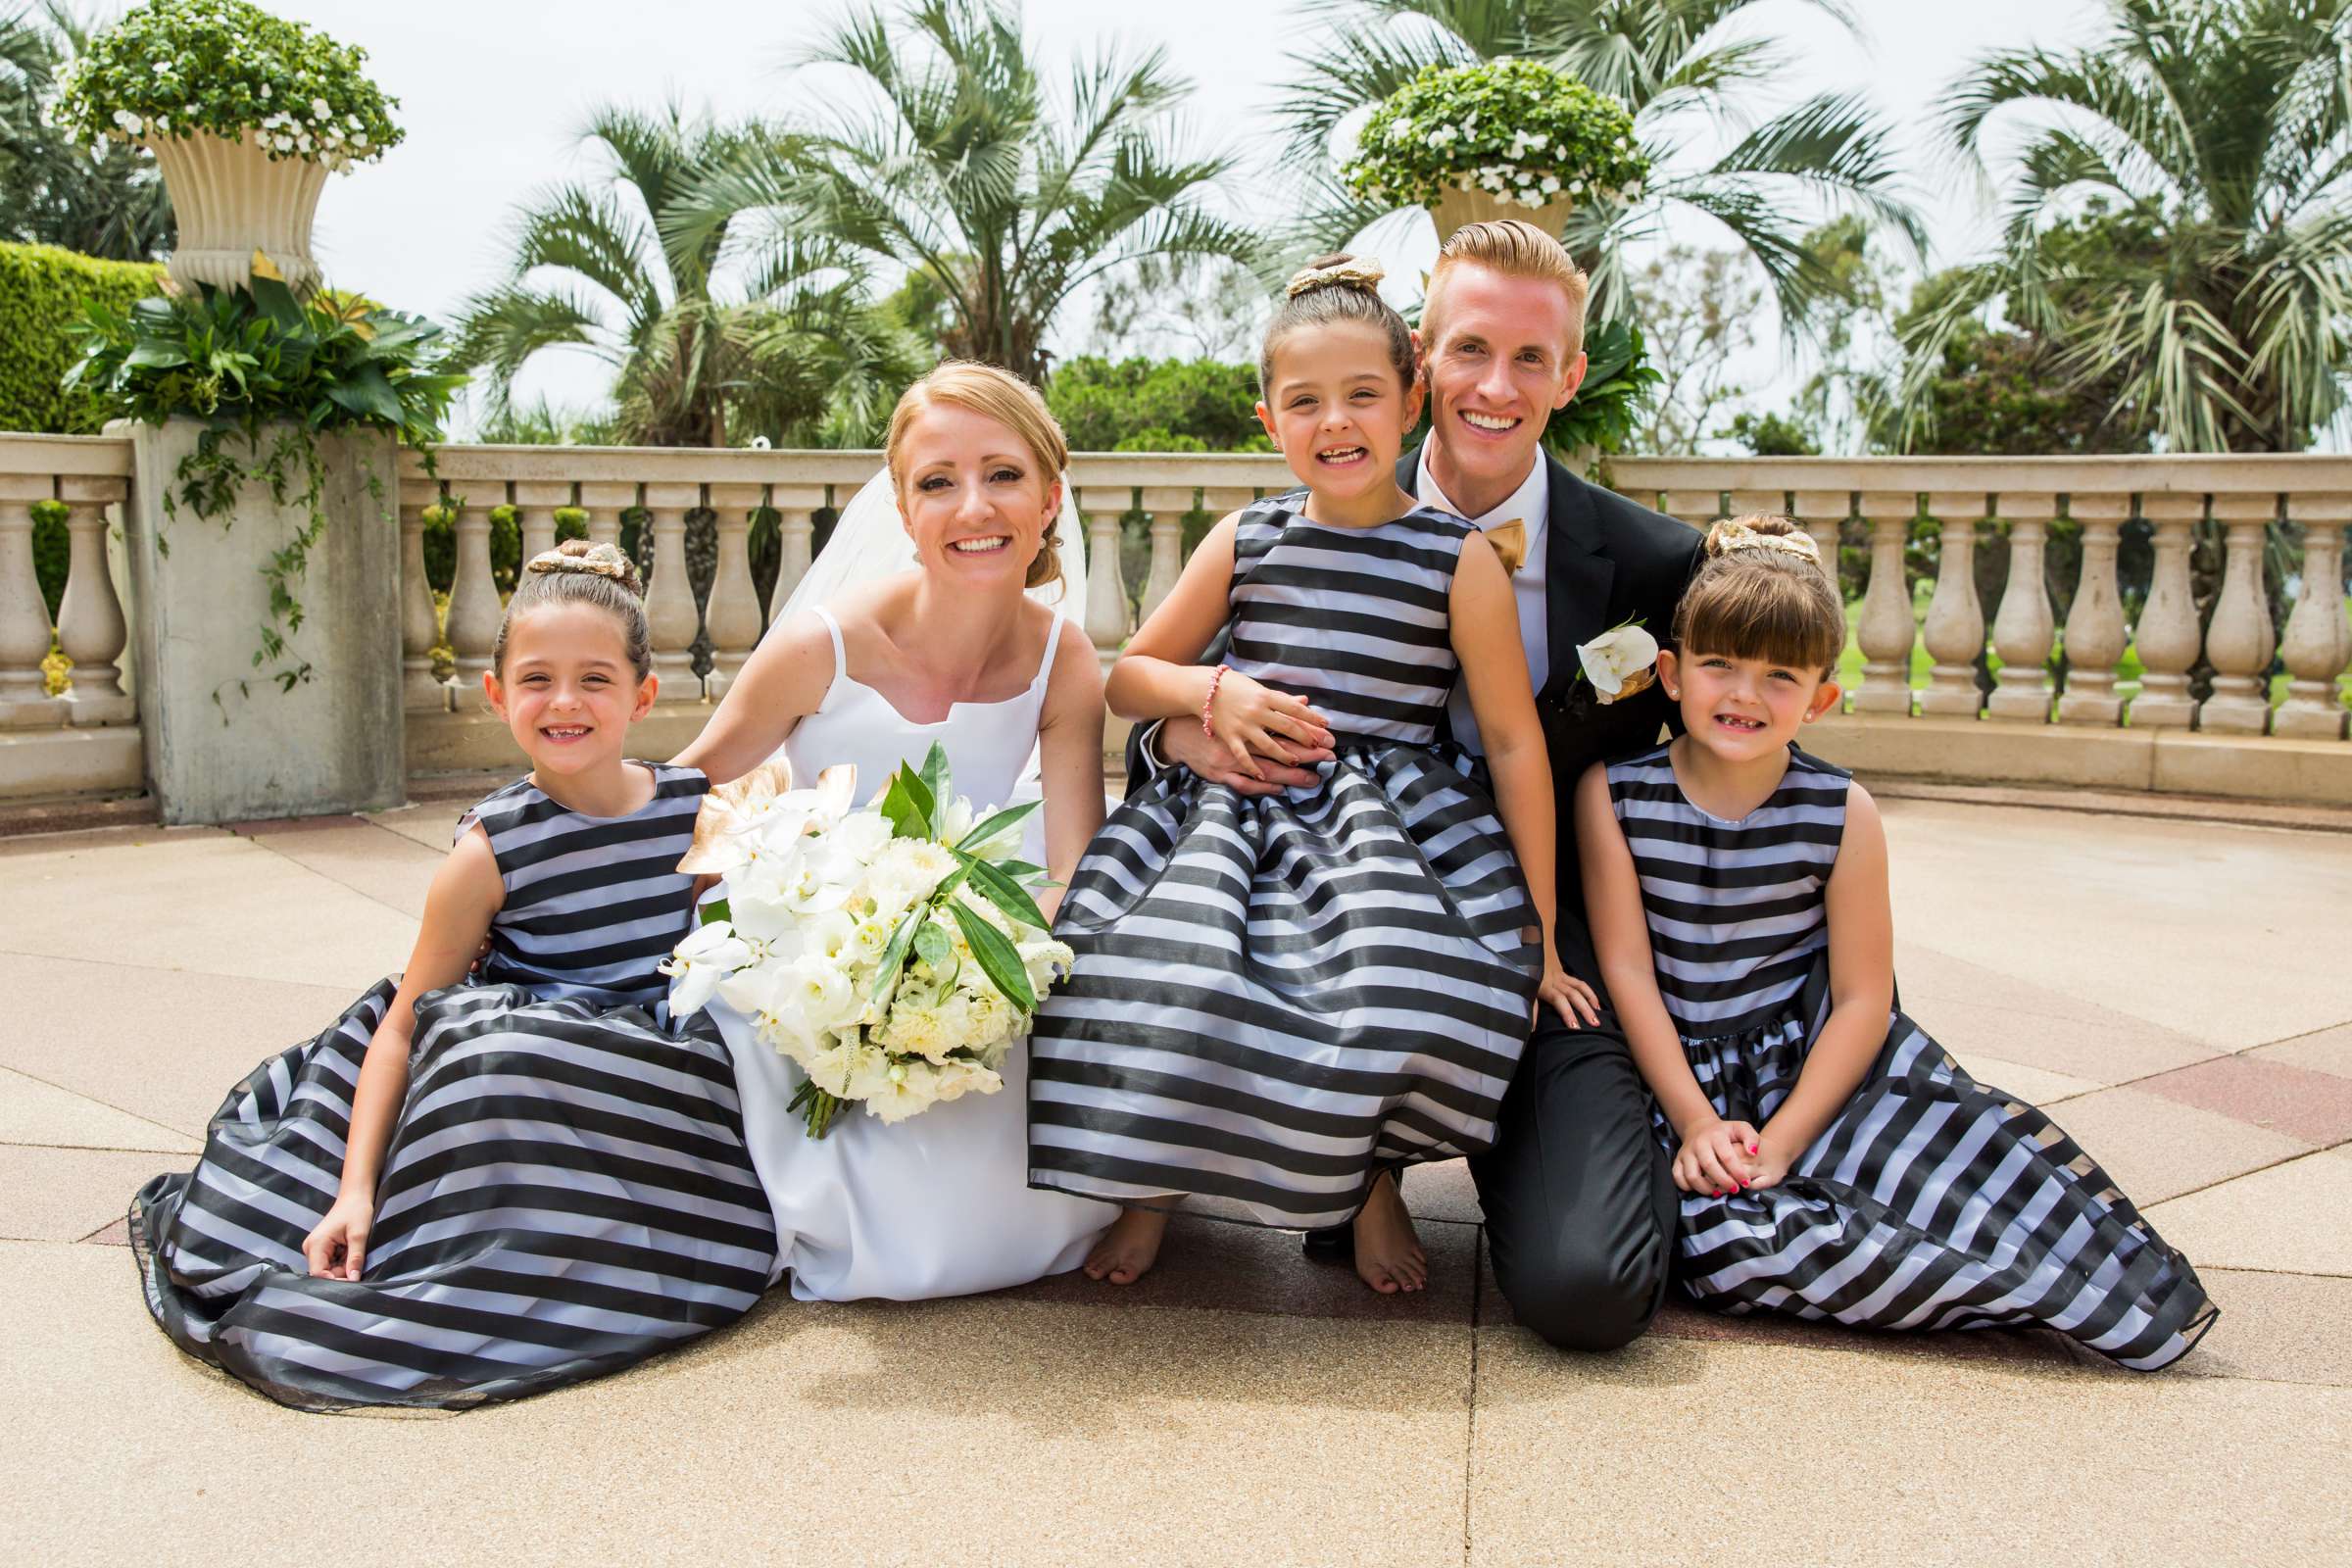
[[869, 665]]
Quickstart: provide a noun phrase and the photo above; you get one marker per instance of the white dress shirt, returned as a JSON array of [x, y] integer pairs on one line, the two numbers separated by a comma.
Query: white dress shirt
[[1530, 505]]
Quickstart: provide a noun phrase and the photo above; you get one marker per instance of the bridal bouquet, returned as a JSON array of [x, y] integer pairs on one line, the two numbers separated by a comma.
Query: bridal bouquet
[[893, 951]]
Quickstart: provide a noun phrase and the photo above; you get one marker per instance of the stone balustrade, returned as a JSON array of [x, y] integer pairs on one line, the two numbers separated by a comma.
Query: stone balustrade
[[2178, 697], [84, 739]]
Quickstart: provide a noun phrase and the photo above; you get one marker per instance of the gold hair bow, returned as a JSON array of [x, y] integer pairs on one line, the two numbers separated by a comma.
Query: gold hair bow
[[1359, 274], [1733, 537], [604, 560]]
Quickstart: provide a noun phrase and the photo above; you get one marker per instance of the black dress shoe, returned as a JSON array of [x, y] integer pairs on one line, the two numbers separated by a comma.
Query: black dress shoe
[[1333, 1245]]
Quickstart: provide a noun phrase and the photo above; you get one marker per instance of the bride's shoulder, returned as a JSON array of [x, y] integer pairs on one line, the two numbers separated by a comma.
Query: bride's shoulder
[[1076, 674]]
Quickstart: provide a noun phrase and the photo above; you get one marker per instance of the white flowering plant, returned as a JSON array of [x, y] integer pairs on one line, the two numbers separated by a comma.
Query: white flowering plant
[[174, 67], [1520, 132], [894, 952]]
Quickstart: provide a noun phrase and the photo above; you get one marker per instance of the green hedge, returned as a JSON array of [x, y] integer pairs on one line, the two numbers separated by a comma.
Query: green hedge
[[43, 291]]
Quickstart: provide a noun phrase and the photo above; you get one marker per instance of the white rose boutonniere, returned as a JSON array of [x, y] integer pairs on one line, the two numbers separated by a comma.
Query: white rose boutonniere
[[1620, 661]]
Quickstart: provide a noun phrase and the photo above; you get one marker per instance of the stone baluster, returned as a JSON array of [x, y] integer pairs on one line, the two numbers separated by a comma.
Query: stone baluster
[[605, 501], [1757, 503], [2319, 640], [1166, 507], [90, 628], [733, 612], [2095, 635], [1888, 628], [670, 607], [1823, 514], [2242, 638], [419, 622], [2026, 627], [23, 615], [474, 608], [795, 537], [535, 503], [1955, 629], [1106, 618], [2168, 633]]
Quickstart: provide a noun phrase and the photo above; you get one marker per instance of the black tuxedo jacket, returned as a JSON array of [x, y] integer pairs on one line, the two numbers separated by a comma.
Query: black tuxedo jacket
[[1606, 559]]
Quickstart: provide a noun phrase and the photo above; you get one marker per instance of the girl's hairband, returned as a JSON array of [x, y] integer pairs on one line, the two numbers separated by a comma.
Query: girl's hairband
[[1730, 538], [604, 559], [1349, 273]]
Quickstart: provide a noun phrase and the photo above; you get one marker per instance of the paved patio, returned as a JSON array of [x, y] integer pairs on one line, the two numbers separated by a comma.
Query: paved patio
[[2179, 991]]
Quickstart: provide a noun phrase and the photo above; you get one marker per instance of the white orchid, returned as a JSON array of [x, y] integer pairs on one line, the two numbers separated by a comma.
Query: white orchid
[[1620, 661], [706, 957]]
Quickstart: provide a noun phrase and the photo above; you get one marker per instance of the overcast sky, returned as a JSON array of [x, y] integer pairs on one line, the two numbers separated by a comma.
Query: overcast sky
[[493, 93]]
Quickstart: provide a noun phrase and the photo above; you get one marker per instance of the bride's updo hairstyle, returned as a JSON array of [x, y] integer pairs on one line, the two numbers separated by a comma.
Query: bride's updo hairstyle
[[1338, 287], [1762, 594], [1006, 398], [577, 572]]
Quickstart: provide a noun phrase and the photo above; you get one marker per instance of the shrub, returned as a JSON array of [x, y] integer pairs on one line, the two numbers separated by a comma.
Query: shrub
[[44, 291], [1138, 405]]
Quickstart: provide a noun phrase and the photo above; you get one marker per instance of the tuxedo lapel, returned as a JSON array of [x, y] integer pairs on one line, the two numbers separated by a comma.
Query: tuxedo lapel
[[1577, 575], [1408, 473]]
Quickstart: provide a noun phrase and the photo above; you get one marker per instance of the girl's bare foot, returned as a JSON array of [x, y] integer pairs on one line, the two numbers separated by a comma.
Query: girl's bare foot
[[1129, 1248], [1388, 1254]]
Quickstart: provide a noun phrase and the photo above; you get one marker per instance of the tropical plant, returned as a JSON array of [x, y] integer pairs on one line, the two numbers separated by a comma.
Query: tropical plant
[[174, 67], [1669, 62], [105, 201], [963, 171], [703, 354], [2221, 131], [272, 373], [1141, 405], [1515, 130]]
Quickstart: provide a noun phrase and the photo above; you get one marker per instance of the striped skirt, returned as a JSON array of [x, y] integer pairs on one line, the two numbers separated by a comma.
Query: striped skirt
[[1931, 1202], [1275, 996], [566, 1192]]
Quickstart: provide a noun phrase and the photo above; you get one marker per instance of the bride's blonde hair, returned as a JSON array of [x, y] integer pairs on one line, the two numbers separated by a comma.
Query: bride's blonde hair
[[1008, 400]]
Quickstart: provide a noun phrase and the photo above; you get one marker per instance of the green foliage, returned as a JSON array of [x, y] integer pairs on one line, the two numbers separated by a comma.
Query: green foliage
[[1619, 381], [52, 552], [43, 291], [173, 67], [245, 360], [1511, 127], [52, 190], [1138, 405], [1774, 435]]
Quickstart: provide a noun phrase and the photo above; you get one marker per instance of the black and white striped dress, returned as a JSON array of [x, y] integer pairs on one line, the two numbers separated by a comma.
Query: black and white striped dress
[[565, 1191], [1931, 1200], [1275, 996]]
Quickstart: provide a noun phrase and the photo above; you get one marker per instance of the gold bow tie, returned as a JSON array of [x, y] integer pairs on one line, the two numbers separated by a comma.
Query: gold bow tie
[[1509, 540]]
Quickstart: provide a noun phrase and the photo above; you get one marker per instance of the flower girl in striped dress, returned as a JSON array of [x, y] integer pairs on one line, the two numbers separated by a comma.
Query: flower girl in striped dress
[[1279, 1000], [461, 1192], [1833, 1162]]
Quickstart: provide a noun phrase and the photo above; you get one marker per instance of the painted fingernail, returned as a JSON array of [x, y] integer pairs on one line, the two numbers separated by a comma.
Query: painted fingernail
[[1752, 1149]]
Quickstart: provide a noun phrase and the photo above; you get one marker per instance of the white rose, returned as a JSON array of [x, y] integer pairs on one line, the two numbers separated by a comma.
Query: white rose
[[903, 1089], [822, 993], [861, 835], [842, 1066], [1619, 661], [955, 1079]]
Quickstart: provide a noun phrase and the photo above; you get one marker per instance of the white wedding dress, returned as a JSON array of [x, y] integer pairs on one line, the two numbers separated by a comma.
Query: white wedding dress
[[938, 1204]]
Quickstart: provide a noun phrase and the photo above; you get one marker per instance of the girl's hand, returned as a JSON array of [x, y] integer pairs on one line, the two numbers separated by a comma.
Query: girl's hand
[[1716, 1158], [337, 1247], [1250, 720], [1574, 1000], [1771, 1161]]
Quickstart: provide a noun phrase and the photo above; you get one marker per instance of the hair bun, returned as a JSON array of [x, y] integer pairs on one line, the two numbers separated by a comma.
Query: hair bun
[[1734, 535], [601, 559], [1340, 271]]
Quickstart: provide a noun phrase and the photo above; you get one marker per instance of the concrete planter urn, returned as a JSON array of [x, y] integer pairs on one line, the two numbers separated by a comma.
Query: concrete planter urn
[[231, 199], [225, 743], [1455, 207]]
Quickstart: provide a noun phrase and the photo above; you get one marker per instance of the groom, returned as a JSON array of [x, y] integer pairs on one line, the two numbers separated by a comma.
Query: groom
[[1579, 1204]]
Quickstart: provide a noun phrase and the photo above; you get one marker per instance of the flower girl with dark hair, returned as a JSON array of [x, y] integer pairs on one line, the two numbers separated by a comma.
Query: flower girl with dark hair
[[1834, 1162], [462, 1192], [1278, 1000]]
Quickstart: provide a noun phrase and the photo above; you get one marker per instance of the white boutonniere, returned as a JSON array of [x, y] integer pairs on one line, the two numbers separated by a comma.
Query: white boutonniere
[[1620, 661]]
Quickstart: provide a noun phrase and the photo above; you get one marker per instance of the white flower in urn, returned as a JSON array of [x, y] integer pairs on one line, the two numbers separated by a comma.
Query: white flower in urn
[[1620, 661]]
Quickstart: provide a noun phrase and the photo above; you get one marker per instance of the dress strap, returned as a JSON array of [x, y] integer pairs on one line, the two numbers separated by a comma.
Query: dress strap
[[841, 658]]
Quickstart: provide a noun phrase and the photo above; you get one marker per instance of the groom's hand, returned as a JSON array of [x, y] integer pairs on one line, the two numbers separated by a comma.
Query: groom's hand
[[1183, 745]]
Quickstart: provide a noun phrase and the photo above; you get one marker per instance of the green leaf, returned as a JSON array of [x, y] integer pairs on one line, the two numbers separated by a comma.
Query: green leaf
[[931, 944], [366, 392], [716, 910], [995, 824], [1020, 870], [997, 958], [1003, 891], [935, 778], [277, 301], [908, 820], [893, 957]]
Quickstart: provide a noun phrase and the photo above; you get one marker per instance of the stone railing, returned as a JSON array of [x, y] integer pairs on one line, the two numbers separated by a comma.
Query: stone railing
[[2098, 727], [84, 739]]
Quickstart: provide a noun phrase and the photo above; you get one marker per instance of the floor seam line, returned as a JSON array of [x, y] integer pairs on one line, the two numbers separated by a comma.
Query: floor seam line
[[108, 1104], [1478, 1291], [2252, 1170], [327, 876], [160, 968]]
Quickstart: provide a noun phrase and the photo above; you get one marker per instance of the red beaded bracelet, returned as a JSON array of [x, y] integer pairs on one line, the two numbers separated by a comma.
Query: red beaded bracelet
[[1216, 679]]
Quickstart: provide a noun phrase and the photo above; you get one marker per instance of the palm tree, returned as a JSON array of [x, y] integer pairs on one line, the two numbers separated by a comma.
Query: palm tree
[[1668, 62], [702, 354], [52, 191], [965, 173], [2223, 130]]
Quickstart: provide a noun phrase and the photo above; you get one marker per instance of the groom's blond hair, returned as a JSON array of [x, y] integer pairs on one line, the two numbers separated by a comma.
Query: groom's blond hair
[[1006, 398], [1515, 248]]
